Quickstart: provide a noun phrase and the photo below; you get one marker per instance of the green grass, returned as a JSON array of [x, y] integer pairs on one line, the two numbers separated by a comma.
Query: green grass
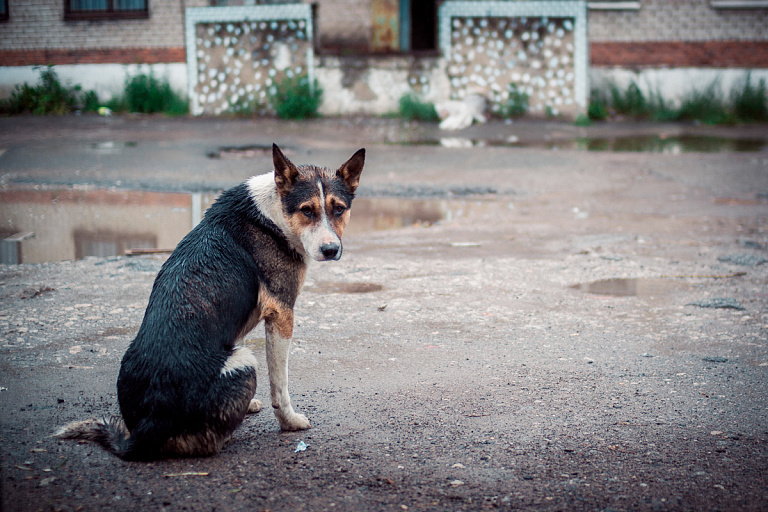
[[517, 103], [747, 102], [142, 93], [293, 98], [146, 94], [48, 97], [412, 108]]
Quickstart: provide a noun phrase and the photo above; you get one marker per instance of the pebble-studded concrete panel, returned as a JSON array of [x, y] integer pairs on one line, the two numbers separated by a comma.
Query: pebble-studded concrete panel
[[539, 47], [489, 54], [237, 58]]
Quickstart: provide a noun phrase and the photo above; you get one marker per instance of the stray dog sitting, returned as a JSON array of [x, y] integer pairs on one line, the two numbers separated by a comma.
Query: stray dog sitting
[[187, 381]]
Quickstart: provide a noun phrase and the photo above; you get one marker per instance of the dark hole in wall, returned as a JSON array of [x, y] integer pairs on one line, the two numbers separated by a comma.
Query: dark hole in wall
[[423, 25]]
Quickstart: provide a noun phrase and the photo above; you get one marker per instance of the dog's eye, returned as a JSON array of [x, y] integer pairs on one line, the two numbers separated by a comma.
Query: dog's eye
[[339, 210], [308, 211]]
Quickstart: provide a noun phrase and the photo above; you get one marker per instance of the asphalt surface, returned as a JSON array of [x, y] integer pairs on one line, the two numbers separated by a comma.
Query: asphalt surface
[[466, 363]]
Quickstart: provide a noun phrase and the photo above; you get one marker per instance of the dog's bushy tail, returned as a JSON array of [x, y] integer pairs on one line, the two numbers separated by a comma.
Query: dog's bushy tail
[[112, 434]]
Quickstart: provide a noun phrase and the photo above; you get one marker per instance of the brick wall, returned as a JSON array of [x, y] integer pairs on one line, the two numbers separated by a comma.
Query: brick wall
[[37, 33], [678, 20], [674, 54], [683, 33]]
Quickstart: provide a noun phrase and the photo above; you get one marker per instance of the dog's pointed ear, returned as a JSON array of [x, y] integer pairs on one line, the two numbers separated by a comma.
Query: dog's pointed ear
[[285, 172], [350, 170]]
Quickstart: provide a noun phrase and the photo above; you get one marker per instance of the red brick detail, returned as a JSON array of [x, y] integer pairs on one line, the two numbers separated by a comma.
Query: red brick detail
[[674, 54], [92, 56]]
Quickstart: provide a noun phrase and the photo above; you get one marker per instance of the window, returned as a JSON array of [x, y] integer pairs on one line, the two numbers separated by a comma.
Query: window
[[3, 10], [105, 9], [614, 5], [423, 25], [739, 4]]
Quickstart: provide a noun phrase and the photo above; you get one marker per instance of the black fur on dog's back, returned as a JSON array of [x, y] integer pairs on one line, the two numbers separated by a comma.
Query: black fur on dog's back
[[174, 397]]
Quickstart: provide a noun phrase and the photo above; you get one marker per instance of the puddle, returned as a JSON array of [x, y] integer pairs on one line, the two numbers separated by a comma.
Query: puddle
[[639, 144], [683, 144], [38, 226], [240, 152], [644, 288], [111, 147], [333, 287]]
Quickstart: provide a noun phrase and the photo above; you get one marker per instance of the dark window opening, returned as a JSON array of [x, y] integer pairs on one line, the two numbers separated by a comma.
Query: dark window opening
[[105, 9], [3, 10], [423, 25]]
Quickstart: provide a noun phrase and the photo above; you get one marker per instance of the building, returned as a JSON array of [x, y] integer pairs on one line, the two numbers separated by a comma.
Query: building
[[366, 54]]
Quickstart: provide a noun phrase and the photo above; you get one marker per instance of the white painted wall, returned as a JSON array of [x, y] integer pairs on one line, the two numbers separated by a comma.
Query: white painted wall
[[108, 80], [377, 91], [386, 85]]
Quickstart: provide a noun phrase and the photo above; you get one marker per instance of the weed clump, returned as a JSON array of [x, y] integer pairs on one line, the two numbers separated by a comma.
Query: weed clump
[[412, 108], [516, 104], [709, 105], [749, 101], [48, 97], [294, 98], [146, 94]]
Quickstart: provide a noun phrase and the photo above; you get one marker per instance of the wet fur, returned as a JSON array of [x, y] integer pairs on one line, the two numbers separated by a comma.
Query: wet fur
[[186, 382]]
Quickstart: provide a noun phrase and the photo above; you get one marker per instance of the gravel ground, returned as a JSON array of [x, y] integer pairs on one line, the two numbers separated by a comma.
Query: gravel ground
[[584, 331]]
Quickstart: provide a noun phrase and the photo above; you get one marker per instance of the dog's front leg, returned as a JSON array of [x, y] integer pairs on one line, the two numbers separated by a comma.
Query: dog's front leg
[[278, 345]]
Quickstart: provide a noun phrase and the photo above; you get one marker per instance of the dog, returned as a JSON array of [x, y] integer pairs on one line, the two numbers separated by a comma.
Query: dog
[[457, 115], [187, 381]]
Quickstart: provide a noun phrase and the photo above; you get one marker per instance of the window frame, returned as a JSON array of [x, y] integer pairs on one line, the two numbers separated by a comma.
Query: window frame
[[614, 5], [110, 13], [738, 4]]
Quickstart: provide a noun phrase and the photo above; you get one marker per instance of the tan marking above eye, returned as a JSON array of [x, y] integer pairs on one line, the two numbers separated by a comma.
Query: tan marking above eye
[[333, 202], [311, 207]]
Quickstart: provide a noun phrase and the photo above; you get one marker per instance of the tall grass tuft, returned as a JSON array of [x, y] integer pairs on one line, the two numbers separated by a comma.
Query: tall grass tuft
[[146, 94], [49, 96], [750, 102], [517, 103], [412, 108], [747, 102], [293, 98], [706, 105]]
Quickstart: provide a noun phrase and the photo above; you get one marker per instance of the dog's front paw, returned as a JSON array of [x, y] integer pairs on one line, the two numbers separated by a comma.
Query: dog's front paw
[[293, 422], [255, 406]]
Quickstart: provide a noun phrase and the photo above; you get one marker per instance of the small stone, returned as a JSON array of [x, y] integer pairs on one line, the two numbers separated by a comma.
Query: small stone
[[747, 260], [456, 483]]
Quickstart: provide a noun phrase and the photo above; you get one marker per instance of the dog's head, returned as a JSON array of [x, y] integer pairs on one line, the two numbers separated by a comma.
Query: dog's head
[[316, 201]]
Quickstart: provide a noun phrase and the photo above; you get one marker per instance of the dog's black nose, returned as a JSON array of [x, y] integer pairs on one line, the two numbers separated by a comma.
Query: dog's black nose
[[329, 250]]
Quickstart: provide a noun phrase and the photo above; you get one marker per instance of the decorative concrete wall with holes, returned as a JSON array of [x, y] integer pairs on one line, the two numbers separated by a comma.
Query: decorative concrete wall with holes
[[540, 47], [236, 55]]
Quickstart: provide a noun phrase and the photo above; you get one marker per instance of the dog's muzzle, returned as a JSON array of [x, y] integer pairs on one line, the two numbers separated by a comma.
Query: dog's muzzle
[[331, 251]]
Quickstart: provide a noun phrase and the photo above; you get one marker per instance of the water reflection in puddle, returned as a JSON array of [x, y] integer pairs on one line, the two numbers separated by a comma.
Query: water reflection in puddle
[[641, 144], [644, 288], [76, 223], [334, 287]]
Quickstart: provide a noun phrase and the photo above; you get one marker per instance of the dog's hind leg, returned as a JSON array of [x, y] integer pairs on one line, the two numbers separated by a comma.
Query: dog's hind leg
[[278, 343], [222, 409]]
